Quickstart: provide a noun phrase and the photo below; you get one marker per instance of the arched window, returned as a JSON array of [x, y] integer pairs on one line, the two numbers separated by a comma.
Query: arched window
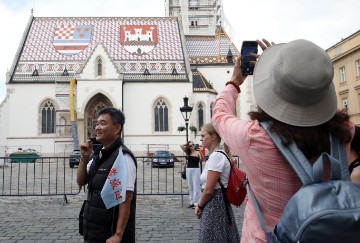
[[161, 116], [200, 115], [48, 117], [99, 67]]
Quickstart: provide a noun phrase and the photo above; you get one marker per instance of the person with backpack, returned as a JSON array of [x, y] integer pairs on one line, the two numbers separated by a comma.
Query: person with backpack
[[217, 223], [295, 94]]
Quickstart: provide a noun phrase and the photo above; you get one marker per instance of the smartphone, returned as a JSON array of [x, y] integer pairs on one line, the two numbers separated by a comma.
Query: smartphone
[[248, 47]]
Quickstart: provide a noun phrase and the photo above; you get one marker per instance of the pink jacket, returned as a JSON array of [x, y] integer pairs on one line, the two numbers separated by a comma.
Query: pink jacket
[[271, 177]]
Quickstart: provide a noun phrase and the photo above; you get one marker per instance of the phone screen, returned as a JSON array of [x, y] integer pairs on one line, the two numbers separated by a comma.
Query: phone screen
[[247, 48]]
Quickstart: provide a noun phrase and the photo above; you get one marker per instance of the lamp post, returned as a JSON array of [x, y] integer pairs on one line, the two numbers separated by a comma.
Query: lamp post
[[186, 113]]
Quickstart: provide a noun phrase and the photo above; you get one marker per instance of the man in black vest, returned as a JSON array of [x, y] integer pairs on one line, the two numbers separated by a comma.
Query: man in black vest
[[116, 224]]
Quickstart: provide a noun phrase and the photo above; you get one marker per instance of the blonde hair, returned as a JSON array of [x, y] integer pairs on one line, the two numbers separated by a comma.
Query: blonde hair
[[209, 128]]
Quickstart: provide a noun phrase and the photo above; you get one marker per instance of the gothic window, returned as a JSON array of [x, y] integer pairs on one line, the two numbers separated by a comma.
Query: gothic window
[[161, 116], [99, 67], [48, 117], [200, 115]]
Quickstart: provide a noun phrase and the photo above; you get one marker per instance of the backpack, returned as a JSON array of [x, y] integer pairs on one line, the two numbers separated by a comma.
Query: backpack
[[321, 211], [236, 191]]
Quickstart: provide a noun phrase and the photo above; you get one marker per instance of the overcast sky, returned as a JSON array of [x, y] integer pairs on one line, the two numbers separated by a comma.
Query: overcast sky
[[324, 22]]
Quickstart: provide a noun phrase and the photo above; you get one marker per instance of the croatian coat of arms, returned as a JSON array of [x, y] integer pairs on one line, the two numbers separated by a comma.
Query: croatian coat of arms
[[71, 39], [138, 39]]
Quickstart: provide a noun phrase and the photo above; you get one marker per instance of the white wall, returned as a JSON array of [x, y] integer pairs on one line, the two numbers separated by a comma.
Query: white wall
[[139, 99], [218, 76]]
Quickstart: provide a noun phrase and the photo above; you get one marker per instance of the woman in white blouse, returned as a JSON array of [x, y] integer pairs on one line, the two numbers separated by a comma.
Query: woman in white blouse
[[217, 223]]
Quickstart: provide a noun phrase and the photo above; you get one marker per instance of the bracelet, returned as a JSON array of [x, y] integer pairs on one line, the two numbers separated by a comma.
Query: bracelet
[[235, 85], [200, 207], [353, 165]]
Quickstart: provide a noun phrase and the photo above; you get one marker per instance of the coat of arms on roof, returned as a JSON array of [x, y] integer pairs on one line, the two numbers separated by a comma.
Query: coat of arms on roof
[[138, 39], [71, 39]]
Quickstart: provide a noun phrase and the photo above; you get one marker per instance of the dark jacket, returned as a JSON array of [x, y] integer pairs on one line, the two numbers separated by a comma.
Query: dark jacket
[[99, 222]]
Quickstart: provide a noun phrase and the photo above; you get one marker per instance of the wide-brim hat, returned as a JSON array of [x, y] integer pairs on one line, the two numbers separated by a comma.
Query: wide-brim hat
[[293, 84]]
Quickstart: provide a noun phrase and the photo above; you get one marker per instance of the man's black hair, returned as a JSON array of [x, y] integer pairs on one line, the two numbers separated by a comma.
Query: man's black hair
[[117, 116]]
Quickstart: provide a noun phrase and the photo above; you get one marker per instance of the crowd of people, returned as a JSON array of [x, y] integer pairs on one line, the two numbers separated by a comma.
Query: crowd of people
[[295, 94]]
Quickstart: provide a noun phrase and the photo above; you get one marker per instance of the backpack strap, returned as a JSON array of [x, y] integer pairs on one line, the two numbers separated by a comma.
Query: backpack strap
[[223, 189], [259, 214], [338, 151], [308, 173]]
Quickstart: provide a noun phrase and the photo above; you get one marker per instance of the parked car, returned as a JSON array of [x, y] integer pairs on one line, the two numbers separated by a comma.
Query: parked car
[[74, 158], [162, 158]]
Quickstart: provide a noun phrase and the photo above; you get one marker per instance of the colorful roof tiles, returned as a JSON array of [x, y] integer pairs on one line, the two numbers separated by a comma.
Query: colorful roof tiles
[[209, 49], [133, 44]]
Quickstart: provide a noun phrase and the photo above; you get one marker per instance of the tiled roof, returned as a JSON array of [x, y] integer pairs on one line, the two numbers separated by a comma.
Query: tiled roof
[[133, 44], [210, 49], [200, 84]]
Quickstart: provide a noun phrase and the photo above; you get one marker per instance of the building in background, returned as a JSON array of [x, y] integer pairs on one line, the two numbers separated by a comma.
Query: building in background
[[345, 56], [67, 68], [197, 17]]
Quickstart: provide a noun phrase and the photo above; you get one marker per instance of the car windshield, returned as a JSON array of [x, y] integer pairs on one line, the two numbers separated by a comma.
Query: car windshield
[[162, 154]]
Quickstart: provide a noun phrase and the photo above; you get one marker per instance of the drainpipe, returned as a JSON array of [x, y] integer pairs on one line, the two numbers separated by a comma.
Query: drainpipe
[[72, 114]]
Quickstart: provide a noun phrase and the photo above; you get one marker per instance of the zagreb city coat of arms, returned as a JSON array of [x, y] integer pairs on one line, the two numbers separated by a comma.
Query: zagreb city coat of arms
[[71, 39], [138, 39]]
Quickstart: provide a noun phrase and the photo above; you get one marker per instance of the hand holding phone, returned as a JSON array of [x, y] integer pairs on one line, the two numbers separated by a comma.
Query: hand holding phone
[[247, 48]]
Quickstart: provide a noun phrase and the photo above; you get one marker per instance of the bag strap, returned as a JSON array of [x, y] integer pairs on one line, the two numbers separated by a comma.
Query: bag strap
[[223, 189], [307, 173], [258, 213]]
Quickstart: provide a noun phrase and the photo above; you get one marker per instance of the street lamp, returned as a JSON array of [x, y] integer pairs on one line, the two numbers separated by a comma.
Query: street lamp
[[186, 113]]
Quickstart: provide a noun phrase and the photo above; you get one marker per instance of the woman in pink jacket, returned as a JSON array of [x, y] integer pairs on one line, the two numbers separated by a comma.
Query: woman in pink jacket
[[293, 89]]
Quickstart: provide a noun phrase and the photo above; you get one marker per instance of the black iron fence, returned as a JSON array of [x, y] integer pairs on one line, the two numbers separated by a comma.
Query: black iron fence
[[42, 176], [49, 176]]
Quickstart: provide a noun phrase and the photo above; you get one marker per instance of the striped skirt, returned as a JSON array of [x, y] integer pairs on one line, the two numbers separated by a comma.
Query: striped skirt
[[214, 225]]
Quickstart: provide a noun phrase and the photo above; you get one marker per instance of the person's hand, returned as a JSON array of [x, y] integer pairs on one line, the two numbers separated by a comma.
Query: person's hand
[[264, 44], [198, 212], [237, 76], [86, 150], [114, 239]]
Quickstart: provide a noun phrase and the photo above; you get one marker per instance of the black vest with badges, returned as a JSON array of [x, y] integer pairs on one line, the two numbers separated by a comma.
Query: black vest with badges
[[99, 222]]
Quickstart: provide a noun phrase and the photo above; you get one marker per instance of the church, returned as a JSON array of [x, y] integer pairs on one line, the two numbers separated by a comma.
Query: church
[[67, 68]]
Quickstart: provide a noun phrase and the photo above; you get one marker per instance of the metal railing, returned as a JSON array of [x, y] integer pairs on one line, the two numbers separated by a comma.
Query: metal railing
[[50, 176], [43, 176]]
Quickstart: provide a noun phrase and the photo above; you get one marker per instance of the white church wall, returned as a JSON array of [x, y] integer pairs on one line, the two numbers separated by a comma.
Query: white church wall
[[25, 103], [24, 132], [87, 89], [139, 100], [90, 71], [218, 76], [4, 125]]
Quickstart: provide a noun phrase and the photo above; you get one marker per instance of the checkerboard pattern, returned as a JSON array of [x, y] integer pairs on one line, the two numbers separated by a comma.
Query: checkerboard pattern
[[64, 32]]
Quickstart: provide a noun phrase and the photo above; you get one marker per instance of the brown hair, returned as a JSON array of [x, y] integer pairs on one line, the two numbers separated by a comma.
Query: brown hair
[[209, 128], [312, 141], [187, 148]]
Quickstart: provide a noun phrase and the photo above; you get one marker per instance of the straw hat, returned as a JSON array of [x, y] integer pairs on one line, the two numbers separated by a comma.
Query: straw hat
[[293, 84]]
